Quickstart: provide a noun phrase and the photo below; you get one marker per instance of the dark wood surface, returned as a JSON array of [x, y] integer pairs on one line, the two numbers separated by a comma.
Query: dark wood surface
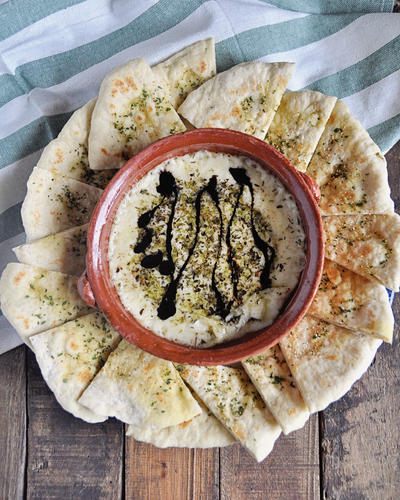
[[351, 451]]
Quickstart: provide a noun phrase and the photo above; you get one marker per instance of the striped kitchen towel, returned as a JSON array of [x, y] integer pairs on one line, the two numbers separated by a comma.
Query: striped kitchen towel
[[55, 53]]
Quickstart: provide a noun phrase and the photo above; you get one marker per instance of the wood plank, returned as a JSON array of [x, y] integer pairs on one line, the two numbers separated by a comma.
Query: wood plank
[[68, 458], [12, 423], [361, 433], [173, 473], [291, 471]]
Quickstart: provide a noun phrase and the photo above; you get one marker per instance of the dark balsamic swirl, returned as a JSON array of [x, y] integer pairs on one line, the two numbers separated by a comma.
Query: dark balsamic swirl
[[167, 306], [168, 189], [241, 177]]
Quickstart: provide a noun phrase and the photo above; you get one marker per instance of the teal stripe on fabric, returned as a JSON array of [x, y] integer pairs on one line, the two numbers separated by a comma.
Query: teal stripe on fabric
[[259, 42], [334, 6], [386, 134], [370, 70], [246, 46], [16, 15], [31, 138], [52, 70], [11, 223]]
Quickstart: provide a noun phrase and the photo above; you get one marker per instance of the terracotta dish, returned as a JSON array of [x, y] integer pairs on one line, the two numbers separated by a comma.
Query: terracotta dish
[[96, 286]]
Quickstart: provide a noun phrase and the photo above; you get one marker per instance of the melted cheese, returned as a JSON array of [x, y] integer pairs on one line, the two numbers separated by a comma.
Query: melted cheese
[[215, 235]]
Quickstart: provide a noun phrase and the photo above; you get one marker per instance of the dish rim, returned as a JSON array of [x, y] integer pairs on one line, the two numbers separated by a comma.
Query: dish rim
[[96, 285]]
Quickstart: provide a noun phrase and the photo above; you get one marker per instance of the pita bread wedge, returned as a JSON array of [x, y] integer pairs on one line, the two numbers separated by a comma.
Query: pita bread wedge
[[64, 252], [132, 111], [271, 376], [34, 300], [186, 70], [233, 399], [140, 389], [203, 431], [350, 300], [68, 153], [244, 98], [55, 202], [70, 355], [326, 360], [369, 245], [349, 168], [298, 125]]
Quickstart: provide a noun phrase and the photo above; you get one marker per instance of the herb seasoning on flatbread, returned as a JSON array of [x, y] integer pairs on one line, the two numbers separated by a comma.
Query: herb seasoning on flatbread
[[205, 248], [64, 252], [55, 203], [348, 299], [68, 153], [243, 98], [367, 244], [131, 112], [35, 300], [233, 399], [140, 389], [326, 360], [69, 357], [298, 125], [202, 431], [186, 70], [349, 168], [272, 378]]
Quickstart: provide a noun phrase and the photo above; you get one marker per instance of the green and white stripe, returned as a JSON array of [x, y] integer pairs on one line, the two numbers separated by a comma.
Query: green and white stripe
[[55, 53]]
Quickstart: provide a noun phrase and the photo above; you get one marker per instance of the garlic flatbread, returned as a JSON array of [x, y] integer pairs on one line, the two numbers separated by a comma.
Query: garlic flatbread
[[272, 378], [243, 98], [55, 203], [369, 245], [349, 168], [64, 252], [186, 70], [326, 360], [34, 300], [298, 125], [141, 389], [131, 112], [233, 399], [70, 355], [202, 431], [68, 153], [353, 301]]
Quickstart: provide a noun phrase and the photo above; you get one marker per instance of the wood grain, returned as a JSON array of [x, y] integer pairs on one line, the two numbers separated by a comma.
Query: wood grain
[[290, 472], [361, 435], [173, 473], [68, 458], [12, 423]]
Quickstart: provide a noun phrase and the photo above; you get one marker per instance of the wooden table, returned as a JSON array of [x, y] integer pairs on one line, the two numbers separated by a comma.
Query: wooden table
[[351, 451]]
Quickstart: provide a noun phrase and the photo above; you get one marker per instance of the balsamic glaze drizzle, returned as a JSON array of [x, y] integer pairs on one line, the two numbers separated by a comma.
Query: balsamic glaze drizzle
[[241, 177], [168, 189], [167, 307]]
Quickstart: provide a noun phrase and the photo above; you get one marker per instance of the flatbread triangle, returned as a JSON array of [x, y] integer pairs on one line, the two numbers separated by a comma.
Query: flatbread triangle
[[349, 168], [326, 360], [131, 112], [243, 98], [186, 70], [70, 356]]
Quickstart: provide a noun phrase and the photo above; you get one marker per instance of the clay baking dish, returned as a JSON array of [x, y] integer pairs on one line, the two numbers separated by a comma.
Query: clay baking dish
[[97, 289]]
